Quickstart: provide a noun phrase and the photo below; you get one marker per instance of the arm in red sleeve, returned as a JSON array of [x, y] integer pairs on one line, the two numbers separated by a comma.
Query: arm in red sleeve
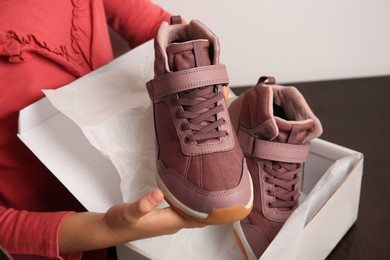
[[32, 234], [136, 21]]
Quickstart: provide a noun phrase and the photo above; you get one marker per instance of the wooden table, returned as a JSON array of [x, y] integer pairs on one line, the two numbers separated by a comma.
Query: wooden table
[[355, 113]]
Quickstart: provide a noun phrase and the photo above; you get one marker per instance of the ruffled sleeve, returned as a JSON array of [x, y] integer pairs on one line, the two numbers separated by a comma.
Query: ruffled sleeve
[[23, 47], [136, 21]]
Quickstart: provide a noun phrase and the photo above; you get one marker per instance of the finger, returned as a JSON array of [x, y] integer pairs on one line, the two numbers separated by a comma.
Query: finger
[[145, 204], [226, 92]]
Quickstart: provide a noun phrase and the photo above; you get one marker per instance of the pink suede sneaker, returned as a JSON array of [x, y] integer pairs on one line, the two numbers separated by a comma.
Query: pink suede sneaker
[[201, 168], [274, 125]]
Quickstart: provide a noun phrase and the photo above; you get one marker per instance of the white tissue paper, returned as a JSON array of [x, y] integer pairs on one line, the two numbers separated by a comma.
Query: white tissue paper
[[113, 110]]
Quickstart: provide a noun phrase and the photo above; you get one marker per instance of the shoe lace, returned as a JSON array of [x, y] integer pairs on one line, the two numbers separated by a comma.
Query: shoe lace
[[200, 109], [284, 178]]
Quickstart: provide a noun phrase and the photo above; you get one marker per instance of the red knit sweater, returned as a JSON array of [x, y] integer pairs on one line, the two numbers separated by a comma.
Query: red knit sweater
[[48, 44]]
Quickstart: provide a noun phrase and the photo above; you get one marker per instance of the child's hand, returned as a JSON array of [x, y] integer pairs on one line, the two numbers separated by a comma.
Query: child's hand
[[121, 223], [141, 219]]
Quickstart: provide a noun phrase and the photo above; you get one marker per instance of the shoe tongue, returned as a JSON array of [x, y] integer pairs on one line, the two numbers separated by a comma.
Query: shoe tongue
[[188, 55]]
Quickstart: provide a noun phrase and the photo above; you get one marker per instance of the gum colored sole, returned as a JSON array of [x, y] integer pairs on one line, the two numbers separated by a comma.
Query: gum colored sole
[[219, 215]]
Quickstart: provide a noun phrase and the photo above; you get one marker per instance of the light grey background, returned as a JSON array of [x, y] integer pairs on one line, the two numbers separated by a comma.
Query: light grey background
[[296, 40]]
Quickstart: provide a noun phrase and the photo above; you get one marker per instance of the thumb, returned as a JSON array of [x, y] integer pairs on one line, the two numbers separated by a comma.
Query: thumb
[[145, 204]]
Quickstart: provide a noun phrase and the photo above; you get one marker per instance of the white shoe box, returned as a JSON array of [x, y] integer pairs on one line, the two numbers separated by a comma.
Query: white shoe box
[[91, 177]]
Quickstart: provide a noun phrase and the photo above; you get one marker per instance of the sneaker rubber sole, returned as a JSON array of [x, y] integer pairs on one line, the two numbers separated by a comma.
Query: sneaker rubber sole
[[216, 216]]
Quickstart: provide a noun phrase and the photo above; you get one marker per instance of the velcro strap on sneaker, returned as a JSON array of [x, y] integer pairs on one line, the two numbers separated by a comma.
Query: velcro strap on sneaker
[[183, 80], [274, 151]]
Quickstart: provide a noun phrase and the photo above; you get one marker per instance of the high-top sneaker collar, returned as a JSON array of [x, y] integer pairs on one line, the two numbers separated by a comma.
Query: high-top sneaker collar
[[295, 119], [284, 115], [172, 34], [292, 128], [293, 132]]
